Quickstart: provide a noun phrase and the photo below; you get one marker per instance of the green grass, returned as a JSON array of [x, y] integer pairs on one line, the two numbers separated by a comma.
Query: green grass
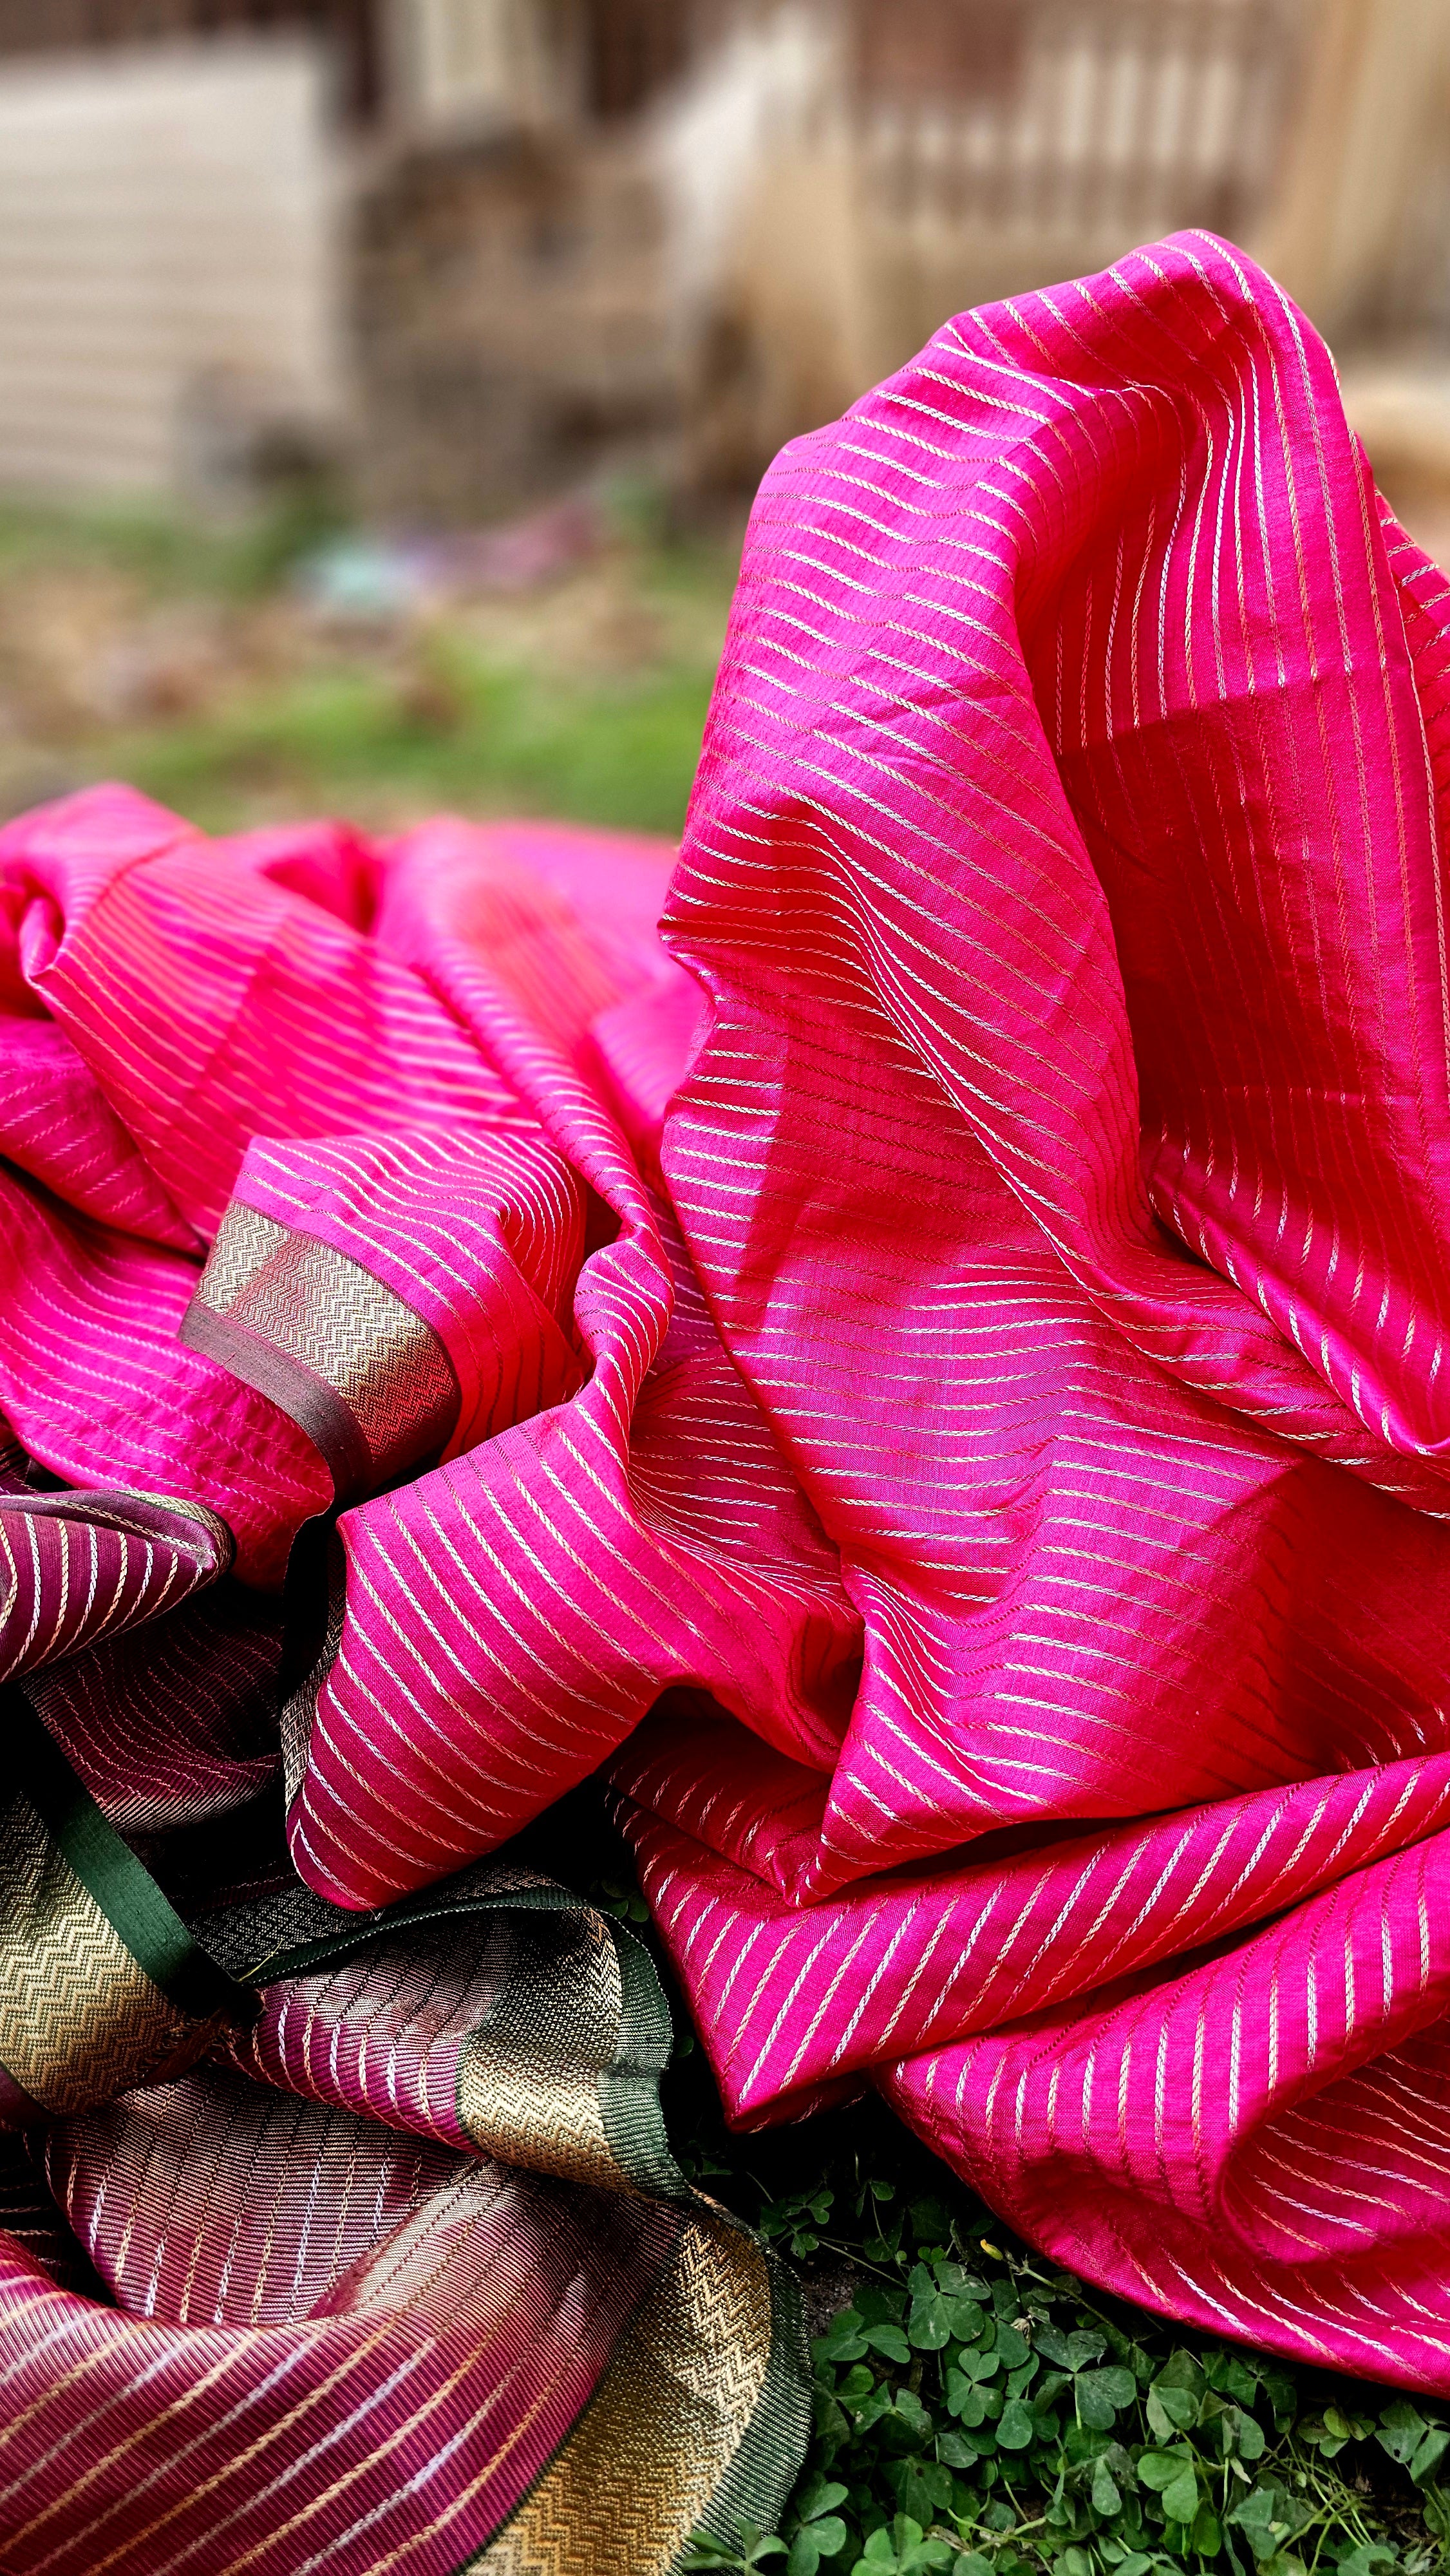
[[164, 554], [981, 2412]]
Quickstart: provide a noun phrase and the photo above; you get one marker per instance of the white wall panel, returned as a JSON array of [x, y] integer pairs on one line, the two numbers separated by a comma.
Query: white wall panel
[[167, 251]]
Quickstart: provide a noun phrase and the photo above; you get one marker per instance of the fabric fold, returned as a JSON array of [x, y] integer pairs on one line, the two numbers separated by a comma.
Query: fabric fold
[[416, 2227]]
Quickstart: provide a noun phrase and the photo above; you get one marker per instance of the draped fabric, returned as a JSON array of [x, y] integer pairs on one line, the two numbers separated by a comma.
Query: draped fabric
[[330, 2237], [931, 1374], [328, 2240]]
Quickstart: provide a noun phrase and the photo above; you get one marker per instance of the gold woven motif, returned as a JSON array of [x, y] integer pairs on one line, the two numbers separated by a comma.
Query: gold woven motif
[[79, 2020], [646, 2457], [528, 2079], [242, 1246], [336, 1320]]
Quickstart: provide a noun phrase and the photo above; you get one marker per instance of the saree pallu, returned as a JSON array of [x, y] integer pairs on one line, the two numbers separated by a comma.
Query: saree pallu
[[932, 1375], [330, 2240]]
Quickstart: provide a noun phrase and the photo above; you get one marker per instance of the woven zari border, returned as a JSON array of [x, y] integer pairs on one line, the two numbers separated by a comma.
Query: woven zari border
[[101, 1984], [366, 1378], [699, 2411], [701, 2419]]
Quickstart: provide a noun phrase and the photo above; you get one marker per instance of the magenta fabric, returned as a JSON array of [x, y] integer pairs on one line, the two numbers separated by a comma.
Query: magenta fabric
[[977, 1467]]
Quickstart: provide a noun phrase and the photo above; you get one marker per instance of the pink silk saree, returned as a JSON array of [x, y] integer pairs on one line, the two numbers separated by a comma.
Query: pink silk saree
[[933, 1373]]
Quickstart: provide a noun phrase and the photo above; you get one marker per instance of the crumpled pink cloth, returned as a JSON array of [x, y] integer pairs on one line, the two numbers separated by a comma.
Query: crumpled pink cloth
[[979, 1465]]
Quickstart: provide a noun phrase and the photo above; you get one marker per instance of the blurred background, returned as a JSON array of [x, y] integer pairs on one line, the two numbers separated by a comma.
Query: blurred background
[[383, 382]]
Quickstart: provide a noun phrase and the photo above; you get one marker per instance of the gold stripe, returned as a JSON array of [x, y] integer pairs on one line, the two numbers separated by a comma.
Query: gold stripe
[[79, 2020], [644, 2460], [528, 2079]]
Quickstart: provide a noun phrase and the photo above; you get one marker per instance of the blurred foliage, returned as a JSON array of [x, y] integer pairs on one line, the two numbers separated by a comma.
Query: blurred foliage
[[161, 552], [192, 662], [485, 739]]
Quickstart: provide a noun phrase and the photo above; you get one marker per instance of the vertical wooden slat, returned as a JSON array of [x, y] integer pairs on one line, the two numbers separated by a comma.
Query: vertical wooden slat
[[1105, 119]]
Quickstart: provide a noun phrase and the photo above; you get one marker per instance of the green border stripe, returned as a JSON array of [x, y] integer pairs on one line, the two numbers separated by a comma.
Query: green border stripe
[[108, 1869], [766, 2463], [768, 2458], [757, 2484], [772, 2449], [441, 1903]]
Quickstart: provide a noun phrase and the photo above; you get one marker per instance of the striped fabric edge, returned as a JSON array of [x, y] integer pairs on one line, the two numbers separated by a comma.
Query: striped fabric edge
[[702, 2418], [312, 1404], [702, 2415], [723, 2297], [102, 1985], [721, 2276]]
